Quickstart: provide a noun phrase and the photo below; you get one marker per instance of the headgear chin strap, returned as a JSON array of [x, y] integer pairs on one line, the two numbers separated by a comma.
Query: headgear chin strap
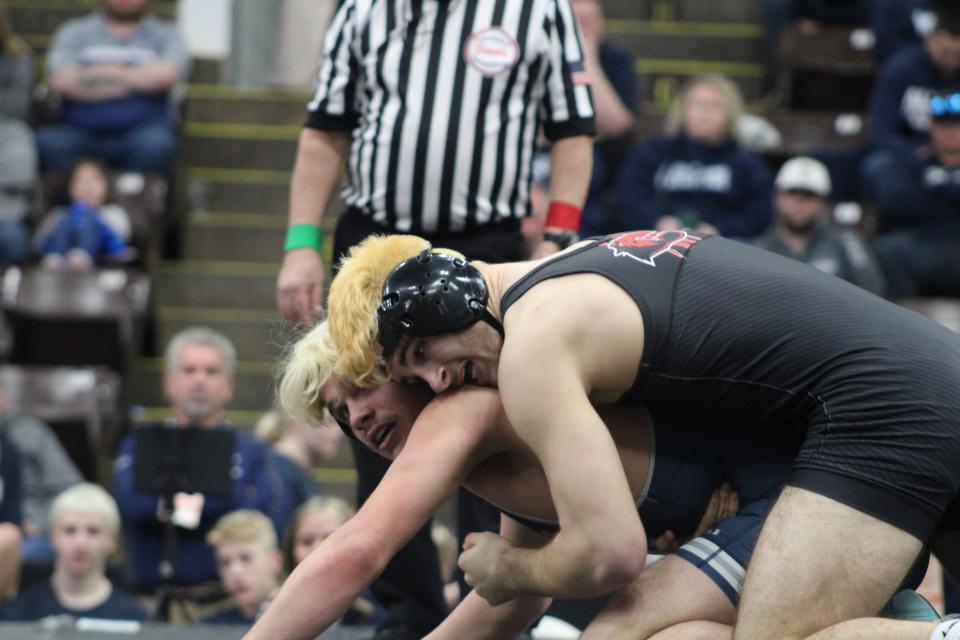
[[431, 294]]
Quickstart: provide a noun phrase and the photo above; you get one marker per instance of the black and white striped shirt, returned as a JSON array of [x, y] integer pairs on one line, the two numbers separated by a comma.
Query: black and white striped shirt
[[443, 99]]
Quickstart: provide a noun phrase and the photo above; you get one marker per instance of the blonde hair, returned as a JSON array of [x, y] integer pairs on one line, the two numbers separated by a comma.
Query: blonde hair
[[272, 426], [339, 510], [244, 525], [307, 367], [732, 100], [354, 297], [87, 498]]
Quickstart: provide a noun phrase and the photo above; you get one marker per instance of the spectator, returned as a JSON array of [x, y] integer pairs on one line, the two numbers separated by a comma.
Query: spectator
[[294, 460], [313, 523], [615, 93], [802, 228], [47, 472], [449, 551], [198, 381], [18, 153], [898, 24], [90, 230], [248, 561], [697, 175], [919, 210], [116, 70], [11, 505], [899, 113], [86, 526]]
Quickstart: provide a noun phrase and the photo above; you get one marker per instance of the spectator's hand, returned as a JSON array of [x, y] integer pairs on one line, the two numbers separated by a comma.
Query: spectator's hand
[[481, 562], [300, 286], [706, 227], [544, 248], [669, 223], [187, 510]]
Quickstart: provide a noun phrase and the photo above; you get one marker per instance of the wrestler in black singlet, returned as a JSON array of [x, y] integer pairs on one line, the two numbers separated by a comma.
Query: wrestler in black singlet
[[758, 339]]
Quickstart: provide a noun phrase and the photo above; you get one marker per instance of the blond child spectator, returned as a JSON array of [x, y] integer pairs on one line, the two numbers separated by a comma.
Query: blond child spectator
[[85, 525], [248, 561]]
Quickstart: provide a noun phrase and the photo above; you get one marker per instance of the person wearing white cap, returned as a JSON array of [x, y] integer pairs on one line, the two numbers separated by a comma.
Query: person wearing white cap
[[802, 229]]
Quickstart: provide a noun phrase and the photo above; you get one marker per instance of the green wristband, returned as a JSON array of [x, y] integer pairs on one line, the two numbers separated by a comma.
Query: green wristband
[[300, 236]]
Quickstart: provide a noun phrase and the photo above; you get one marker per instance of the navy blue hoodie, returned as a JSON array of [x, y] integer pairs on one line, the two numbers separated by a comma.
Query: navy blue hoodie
[[900, 104], [726, 186]]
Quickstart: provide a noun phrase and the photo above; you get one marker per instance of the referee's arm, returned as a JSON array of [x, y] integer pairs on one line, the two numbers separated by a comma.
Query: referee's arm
[[323, 147], [568, 124], [316, 173], [571, 165]]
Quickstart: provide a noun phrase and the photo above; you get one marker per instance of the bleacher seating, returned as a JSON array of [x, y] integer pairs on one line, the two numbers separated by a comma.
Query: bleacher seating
[[62, 317], [826, 68], [82, 406]]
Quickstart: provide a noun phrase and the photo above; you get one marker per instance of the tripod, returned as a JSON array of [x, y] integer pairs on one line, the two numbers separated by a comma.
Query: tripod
[[170, 460]]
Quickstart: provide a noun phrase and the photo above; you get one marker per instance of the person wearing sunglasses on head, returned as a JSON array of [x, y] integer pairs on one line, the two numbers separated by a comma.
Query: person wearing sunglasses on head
[[920, 210]]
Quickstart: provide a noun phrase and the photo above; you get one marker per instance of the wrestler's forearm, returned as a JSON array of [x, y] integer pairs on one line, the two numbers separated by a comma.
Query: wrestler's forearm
[[475, 619], [563, 569], [316, 594]]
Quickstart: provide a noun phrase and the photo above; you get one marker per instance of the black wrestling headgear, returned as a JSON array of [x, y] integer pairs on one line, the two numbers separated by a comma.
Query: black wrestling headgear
[[431, 294]]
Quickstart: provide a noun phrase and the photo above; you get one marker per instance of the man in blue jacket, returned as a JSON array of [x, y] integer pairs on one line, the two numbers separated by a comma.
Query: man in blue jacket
[[198, 382]]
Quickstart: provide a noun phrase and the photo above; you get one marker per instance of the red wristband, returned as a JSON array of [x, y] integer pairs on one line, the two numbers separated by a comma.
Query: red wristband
[[563, 215]]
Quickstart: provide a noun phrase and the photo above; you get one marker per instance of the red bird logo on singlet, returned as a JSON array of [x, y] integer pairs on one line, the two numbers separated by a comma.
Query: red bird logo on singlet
[[674, 243]]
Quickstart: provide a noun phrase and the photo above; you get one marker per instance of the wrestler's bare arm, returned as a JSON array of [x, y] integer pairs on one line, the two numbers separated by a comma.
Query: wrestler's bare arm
[[548, 371], [475, 619], [444, 445]]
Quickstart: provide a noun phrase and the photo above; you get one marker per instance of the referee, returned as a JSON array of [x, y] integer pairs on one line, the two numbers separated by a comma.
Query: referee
[[436, 107]]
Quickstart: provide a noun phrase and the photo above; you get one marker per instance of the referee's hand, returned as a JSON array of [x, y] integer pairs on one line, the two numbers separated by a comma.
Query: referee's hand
[[300, 286]]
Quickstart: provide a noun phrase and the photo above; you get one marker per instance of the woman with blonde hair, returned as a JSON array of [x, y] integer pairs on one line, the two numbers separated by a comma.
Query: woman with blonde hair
[[697, 175]]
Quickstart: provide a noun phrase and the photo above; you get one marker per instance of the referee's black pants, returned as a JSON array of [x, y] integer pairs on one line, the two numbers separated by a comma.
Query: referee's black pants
[[410, 587]]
